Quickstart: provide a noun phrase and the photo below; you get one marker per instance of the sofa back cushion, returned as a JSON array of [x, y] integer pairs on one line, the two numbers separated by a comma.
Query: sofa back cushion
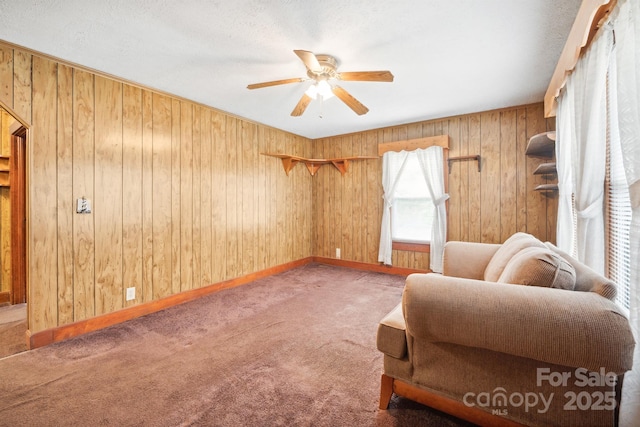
[[509, 248], [587, 279], [536, 266]]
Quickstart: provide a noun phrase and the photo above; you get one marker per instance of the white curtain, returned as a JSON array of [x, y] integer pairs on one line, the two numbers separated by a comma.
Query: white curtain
[[626, 109], [587, 87], [392, 165], [565, 228], [431, 162]]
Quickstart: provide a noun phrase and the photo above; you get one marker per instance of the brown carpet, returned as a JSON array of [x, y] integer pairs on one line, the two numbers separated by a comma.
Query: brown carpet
[[293, 349]]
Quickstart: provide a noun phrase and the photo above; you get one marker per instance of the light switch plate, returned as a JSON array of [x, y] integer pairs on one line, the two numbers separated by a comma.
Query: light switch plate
[[83, 205]]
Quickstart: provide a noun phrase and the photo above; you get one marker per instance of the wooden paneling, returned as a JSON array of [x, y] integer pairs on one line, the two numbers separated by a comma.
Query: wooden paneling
[[473, 222], [132, 192], [490, 207], [181, 197], [508, 157], [65, 193], [206, 243], [196, 196], [147, 196], [43, 304], [6, 75], [5, 207], [176, 220], [186, 194], [246, 197], [231, 252], [486, 206], [161, 196], [83, 185], [22, 81], [218, 200], [107, 204]]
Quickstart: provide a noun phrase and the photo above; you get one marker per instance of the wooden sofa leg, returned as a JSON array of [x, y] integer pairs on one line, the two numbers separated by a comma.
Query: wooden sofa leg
[[386, 390]]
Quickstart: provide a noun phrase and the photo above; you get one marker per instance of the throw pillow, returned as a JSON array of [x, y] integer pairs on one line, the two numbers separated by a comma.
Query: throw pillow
[[509, 248], [587, 280], [535, 266]]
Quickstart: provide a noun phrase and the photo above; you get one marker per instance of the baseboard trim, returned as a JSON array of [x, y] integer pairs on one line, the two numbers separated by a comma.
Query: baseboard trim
[[378, 268], [5, 297], [61, 333]]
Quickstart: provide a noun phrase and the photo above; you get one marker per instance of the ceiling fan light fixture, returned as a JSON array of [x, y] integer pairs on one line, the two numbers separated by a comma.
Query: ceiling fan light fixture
[[312, 92], [321, 88], [324, 89], [321, 69]]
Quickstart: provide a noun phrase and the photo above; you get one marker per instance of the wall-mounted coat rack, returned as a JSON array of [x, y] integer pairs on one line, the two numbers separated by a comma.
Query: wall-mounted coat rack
[[289, 162], [464, 158]]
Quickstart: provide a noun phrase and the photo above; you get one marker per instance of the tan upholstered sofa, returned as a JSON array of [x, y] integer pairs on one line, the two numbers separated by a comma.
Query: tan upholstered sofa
[[519, 333]]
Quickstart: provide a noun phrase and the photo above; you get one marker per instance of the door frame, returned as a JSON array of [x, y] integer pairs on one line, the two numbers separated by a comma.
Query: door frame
[[17, 174]]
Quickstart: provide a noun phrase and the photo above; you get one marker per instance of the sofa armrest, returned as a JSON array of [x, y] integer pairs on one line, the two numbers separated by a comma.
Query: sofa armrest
[[576, 329], [467, 259]]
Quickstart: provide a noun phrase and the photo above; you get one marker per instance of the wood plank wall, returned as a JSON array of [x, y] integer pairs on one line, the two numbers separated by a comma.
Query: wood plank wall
[[483, 207], [5, 208], [181, 197]]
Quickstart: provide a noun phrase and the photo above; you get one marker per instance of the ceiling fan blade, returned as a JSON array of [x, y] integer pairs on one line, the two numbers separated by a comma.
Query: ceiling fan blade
[[301, 106], [310, 60], [366, 76], [351, 102], [274, 83]]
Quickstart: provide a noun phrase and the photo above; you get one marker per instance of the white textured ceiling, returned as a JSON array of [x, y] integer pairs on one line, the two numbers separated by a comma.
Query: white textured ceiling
[[448, 57]]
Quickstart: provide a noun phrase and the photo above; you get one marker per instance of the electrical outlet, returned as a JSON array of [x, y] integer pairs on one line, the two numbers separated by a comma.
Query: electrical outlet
[[131, 294], [338, 253]]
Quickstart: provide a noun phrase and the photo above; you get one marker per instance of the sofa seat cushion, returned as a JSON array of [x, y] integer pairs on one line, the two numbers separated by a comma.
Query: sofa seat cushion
[[392, 336], [509, 248], [535, 266]]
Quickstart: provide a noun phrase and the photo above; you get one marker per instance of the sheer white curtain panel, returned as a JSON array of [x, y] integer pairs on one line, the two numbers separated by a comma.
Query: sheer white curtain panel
[[432, 165], [392, 165], [589, 150], [565, 227]]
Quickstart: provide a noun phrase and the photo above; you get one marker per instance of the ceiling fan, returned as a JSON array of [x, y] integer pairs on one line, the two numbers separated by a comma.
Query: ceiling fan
[[323, 70]]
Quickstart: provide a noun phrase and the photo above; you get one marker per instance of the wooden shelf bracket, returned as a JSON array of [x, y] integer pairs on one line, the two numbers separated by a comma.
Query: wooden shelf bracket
[[464, 158]]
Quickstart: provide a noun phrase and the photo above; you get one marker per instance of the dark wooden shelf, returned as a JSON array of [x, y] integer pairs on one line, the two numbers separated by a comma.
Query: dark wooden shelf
[[4, 171], [547, 187], [542, 145], [546, 169]]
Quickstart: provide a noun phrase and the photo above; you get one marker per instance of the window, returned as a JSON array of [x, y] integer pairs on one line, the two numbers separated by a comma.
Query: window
[[413, 171], [617, 219], [412, 211], [588, 123]]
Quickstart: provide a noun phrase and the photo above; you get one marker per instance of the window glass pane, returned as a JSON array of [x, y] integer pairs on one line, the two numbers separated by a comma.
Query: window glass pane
[[412, 211], [411, 220], [411, 183]]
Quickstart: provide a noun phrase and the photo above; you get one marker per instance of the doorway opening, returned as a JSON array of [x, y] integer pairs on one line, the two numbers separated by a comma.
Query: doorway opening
[[13, 233]]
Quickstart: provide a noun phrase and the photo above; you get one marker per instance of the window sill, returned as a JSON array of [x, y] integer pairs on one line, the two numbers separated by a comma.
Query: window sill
[[412, 247]]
